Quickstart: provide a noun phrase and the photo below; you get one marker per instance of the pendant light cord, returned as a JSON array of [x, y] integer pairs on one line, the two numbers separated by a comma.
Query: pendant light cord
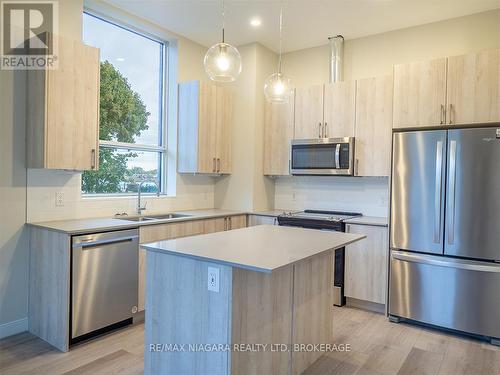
[[281, 38], [223, 20]]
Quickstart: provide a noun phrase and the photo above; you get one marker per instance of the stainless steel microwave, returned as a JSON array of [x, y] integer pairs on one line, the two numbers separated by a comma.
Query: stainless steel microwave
[[322, 156]]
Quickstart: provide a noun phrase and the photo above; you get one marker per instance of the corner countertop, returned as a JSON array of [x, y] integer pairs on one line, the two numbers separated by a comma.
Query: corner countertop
[[93, 225], [261, 248], [271, 213], [369, 220]]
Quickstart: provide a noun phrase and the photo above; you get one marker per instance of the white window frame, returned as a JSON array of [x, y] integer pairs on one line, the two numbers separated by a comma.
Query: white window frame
[[163, 124]]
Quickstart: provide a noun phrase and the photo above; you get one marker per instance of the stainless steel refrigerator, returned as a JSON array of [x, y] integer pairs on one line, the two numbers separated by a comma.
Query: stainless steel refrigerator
[[445, 229]]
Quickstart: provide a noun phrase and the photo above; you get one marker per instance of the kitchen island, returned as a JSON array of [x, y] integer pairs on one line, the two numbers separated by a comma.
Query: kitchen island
[[252, 300]]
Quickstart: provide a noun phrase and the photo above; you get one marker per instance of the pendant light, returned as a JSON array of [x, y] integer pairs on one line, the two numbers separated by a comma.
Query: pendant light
[[222, 61], [278, 87]]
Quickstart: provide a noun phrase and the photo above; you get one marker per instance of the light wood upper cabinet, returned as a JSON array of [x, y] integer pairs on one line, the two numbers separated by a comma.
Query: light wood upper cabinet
[[278, 133], [63, 111], [419, 93], [474, 88], [308, 112], [205, 121], [373, 126], [224, 118], [366, 264], [339, 109]]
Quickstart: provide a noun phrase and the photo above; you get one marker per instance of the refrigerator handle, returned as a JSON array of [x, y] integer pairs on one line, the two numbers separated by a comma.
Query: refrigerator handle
[[452, 190], [444, 262], [438, 192]]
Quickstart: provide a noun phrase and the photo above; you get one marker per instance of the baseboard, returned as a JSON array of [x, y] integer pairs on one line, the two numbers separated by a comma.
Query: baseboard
[[12, 328], [366, 305]]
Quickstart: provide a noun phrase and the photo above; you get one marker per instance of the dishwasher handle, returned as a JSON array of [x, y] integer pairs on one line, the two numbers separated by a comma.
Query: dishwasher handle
[[90, 242]]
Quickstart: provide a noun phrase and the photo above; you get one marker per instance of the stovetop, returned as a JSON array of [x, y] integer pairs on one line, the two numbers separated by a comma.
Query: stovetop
[[320, 215]]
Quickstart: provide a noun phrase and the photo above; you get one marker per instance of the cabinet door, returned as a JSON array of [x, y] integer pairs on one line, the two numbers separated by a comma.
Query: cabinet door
[[224, 124], [373, 126], [278, 132], [72, 109], [308, 112], [207, 128], [366, 264], [339, 109], [237, 222], [419, 93], [474, 88], [215, 225]]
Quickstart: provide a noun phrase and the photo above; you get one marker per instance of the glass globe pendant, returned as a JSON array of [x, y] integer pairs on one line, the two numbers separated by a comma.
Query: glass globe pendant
[[222, 61], [278, 88]]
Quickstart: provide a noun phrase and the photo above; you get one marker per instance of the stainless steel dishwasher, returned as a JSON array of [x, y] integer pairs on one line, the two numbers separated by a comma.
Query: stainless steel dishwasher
[[104, 281]]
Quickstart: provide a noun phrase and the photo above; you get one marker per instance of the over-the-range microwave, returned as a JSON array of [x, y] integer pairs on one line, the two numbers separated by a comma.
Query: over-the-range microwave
[[322, 156]]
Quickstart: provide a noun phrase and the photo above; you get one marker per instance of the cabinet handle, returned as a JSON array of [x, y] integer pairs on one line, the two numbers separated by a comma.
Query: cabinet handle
[[214, 169], [225, 223], [325, 130], [319, 130], [442, 115], [93, 160], [451, 112], [218, 165]]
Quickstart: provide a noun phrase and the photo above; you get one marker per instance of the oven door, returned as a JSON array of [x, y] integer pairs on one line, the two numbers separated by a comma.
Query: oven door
[[322, 156]]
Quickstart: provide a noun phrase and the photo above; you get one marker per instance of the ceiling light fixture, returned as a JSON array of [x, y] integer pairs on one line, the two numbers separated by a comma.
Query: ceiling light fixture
[[255, 22], [222, 61], [278, 88]]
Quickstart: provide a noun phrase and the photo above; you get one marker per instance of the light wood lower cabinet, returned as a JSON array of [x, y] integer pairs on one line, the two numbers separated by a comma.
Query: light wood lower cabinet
[[152, 233], [366, 264], [237, 222]]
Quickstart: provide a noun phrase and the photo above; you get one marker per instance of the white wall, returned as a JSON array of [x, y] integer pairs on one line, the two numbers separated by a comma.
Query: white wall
[[369, 57], [375, 55], [191, 191], [246, 188]]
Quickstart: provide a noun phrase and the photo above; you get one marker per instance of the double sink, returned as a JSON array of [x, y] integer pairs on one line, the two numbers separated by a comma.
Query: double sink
[[153, 217]]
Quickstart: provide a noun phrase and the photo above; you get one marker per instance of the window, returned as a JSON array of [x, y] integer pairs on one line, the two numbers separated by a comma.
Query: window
[[132, 140]]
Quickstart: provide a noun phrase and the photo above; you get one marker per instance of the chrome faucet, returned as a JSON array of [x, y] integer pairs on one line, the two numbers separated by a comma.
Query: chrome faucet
[[139, 207]]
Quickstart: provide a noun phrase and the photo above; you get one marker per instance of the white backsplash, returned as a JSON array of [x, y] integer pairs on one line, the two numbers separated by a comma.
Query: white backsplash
[[367, 195], [193, 192]]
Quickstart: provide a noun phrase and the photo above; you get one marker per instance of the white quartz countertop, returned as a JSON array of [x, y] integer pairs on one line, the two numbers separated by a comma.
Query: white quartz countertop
[[369, 220], [94, 225], [262, 248]]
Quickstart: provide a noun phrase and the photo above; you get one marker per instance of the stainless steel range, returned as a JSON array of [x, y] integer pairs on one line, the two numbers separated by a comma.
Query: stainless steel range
[[324, 220]]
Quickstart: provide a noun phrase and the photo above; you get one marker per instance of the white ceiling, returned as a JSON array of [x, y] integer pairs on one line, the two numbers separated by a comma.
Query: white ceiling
[[307, 23]]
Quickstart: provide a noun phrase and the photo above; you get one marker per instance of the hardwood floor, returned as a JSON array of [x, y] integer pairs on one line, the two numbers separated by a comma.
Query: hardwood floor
[[377, 347]]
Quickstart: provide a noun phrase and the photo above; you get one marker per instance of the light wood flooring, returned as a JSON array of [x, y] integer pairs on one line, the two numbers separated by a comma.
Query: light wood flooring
[[377, 347]]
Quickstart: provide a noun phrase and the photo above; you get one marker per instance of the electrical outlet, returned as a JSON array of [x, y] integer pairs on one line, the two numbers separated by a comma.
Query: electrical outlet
[[59, 199], [213, 279]]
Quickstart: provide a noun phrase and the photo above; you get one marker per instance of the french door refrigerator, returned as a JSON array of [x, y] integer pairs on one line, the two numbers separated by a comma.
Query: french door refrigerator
[[445, 229]]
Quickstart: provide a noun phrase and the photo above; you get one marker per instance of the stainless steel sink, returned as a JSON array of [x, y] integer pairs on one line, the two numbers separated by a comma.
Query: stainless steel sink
[[139, 218], [153, 217], [167, 216]]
